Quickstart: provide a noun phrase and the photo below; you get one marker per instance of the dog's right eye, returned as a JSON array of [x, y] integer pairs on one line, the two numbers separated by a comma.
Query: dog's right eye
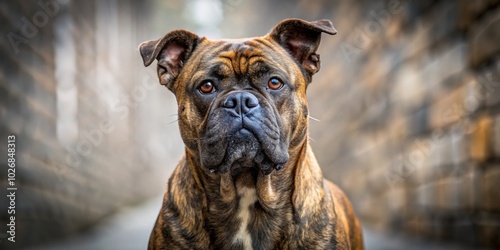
[[274, 84], [207, 87]]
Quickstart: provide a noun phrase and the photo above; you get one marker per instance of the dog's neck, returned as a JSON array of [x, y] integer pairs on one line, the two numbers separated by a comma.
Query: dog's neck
[[232, 202], [272, 190], [267, 186]]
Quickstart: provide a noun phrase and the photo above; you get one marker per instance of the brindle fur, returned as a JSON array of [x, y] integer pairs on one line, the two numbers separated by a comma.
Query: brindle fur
[[295, 208]]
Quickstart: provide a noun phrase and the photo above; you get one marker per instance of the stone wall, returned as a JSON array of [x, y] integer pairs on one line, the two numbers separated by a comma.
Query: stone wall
[[409, 110], [93, 126]]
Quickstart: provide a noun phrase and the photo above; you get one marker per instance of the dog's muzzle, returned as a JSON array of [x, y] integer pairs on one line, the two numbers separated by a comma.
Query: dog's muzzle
[[242, 131]]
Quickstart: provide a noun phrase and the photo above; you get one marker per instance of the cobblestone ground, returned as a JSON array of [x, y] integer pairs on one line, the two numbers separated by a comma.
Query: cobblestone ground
[[130, 228]]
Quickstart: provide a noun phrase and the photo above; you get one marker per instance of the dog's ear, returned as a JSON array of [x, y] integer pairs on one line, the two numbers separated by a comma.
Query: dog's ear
[[301, 39], [171, 51]]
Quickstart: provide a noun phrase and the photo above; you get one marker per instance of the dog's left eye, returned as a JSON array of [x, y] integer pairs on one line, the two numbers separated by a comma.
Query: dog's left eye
[[274, 83], [207, 87]]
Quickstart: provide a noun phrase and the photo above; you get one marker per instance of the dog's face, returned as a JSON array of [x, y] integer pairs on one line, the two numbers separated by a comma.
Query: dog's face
[[242, 103]]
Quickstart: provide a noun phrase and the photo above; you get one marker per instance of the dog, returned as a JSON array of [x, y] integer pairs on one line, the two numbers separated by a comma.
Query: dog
[[248, 178]]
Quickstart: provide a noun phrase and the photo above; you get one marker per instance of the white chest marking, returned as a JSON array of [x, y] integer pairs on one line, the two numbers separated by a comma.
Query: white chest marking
[[248, 196]]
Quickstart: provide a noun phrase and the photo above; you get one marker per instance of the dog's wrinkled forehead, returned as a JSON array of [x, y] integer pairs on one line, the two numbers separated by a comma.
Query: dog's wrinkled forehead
[[238, 58], [297, 38], [242, 59]]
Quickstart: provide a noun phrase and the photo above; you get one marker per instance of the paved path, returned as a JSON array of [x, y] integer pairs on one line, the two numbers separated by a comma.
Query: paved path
[[375, 240], [130, 228]]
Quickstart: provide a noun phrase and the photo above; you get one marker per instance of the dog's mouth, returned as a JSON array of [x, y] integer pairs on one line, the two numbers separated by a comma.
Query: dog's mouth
[[249, 140], [242, 151]]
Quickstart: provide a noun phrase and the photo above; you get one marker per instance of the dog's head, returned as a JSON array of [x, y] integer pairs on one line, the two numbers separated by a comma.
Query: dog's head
[[242, 103]]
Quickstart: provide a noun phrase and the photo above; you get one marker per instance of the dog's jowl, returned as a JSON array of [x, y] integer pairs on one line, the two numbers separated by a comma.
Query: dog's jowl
[[248, 179]]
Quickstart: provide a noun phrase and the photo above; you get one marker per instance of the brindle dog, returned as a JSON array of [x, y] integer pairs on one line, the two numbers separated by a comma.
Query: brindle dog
[[248, 179]]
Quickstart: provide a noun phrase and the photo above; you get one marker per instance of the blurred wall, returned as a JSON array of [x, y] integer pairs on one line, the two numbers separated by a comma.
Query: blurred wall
[[407, 101], [94, 129]]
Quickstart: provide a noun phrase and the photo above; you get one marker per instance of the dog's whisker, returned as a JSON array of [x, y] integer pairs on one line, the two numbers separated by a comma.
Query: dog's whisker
[[311, 139], [173, 115], [312, 118], [173, 121]]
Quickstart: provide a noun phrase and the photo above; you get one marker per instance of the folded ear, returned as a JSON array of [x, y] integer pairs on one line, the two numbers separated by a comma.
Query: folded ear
[[171, 51], [301, 39]]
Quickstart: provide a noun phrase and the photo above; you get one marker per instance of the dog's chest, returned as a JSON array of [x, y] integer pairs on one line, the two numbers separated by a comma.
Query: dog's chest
[[244, 213], [245, 224]]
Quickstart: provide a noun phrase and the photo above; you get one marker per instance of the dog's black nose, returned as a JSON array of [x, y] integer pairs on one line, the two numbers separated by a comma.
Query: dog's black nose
[[241, 102]]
